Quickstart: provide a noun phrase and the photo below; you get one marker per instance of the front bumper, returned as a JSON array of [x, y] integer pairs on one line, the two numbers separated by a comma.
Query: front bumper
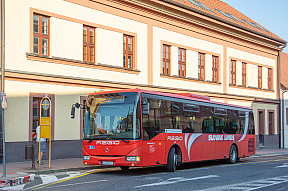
[[111, 161]]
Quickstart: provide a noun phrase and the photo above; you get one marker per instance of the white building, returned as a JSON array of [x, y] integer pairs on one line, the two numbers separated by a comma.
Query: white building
[[68, 48]]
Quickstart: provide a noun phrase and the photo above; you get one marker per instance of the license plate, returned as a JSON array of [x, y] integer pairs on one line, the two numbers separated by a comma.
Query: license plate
[[107, 163]]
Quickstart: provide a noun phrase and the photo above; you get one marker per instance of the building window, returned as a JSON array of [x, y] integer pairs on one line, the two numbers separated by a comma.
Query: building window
[[259, 77], [244, 74], [181, 62], [201, 66], [88, 44], [128, 51], [233, 72], [269, 78], [36, 114], [166, 60], [41, 35], [215, 68]]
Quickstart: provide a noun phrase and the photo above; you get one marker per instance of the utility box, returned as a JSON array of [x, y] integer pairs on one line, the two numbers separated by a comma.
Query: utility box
[[29, 152]]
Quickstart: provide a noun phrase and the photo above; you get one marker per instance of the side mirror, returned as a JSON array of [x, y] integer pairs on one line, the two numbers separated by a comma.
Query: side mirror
[[73, 111], [145, 108]]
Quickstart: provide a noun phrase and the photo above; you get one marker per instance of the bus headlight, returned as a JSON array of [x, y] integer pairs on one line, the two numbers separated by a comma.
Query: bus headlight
[[133, 158], [86, 157]]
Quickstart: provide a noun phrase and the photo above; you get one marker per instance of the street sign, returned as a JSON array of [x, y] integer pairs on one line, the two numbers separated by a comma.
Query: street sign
[[3, 100]]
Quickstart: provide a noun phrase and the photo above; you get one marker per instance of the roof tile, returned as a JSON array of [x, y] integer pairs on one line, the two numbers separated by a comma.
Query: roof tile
[[225, 8]]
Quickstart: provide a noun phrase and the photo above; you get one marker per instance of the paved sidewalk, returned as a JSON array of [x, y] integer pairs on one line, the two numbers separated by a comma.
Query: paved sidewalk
[[14, 170], [260, 152], [55, 165], [22, 172]]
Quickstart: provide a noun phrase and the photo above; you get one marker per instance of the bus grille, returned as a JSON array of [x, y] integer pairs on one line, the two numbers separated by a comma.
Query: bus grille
[[251, 145]]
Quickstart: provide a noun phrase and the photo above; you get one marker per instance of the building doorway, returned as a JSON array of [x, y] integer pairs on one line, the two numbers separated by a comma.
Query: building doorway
[[261, 127]]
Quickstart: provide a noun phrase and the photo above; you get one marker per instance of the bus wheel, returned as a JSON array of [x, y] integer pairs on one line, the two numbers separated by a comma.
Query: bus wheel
[[233, 155], [125, 168], [172, 160]]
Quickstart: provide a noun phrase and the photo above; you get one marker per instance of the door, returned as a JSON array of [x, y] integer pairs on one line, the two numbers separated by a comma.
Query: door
[[261, 126]]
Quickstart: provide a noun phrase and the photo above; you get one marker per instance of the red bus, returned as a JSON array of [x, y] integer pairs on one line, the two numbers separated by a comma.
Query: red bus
[[138, 128]]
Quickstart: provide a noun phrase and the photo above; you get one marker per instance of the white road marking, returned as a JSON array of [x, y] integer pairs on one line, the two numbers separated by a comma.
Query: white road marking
[[285, 165], [252, 185], [57, 186], [48, 178], [175, 180], [72, 174], [39, 185]]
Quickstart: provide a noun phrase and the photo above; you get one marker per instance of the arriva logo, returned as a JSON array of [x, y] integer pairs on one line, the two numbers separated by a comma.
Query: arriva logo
[[107, 142], [175, 138]]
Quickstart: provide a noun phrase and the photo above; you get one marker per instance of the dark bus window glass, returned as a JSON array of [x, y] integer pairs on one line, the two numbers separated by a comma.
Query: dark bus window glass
[[219, 124], [206, 115], [251, 126], [191, 117], [232, 123]]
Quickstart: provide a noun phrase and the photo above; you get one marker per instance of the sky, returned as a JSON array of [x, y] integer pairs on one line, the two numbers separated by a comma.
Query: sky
[[271, 14]]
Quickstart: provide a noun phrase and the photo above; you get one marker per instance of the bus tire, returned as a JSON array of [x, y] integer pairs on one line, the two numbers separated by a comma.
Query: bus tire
[[125, 168], [172, 160], [233, 155]]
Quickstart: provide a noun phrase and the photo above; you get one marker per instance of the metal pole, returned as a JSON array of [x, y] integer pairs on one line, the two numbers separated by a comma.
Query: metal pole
[[2, 77]]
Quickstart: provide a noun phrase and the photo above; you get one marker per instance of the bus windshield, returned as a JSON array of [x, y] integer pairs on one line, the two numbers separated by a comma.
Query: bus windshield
[[112, 116]]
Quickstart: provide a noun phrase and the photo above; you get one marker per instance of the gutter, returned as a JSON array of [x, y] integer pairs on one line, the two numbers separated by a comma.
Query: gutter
[[281, 100]]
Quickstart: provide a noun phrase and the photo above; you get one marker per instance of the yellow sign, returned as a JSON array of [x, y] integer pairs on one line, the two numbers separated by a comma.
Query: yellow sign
[[45, 127]]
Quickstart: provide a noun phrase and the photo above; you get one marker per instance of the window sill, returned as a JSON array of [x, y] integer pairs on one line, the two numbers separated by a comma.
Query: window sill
[[250, 88], [71, 62], [189, 79]]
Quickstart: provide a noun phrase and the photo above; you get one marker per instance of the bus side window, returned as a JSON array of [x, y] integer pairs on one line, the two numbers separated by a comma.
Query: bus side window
[[152, 121], [232, 123], [251, 127], [206, 114], [219, 124]]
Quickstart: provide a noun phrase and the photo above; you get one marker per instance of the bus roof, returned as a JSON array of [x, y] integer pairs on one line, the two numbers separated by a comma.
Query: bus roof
[[176, 95]]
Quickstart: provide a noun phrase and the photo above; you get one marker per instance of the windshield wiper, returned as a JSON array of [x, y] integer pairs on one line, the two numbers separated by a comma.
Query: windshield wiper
[[121, 139], [91, 139]]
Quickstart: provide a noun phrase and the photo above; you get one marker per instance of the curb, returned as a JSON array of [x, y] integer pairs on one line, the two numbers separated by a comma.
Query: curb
[[17, 181], [275, 153], [68, 169], [61, 170]]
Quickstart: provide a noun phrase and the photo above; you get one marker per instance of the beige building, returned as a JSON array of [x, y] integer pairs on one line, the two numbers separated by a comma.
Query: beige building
[[66, 49]]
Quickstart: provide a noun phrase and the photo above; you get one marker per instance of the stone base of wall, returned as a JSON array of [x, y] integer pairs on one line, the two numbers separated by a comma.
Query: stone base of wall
[[15, 151], [270, 142]]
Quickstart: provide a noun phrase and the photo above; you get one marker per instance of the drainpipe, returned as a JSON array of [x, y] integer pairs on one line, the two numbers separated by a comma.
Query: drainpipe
[[2, 77], [280, 100], [281, 110], [283, 122]]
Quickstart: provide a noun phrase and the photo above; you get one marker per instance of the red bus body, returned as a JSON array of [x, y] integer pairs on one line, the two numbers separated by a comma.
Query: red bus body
[[190, 146]]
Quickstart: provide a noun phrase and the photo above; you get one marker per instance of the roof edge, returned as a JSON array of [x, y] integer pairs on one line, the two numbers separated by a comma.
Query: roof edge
[[225, 21]]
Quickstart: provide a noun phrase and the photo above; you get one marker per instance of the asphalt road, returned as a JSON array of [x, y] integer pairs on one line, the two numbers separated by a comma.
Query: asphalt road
[[253, 173]]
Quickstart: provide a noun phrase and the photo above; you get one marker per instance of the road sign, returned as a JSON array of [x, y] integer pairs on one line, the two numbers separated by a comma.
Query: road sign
[[3, 100]]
